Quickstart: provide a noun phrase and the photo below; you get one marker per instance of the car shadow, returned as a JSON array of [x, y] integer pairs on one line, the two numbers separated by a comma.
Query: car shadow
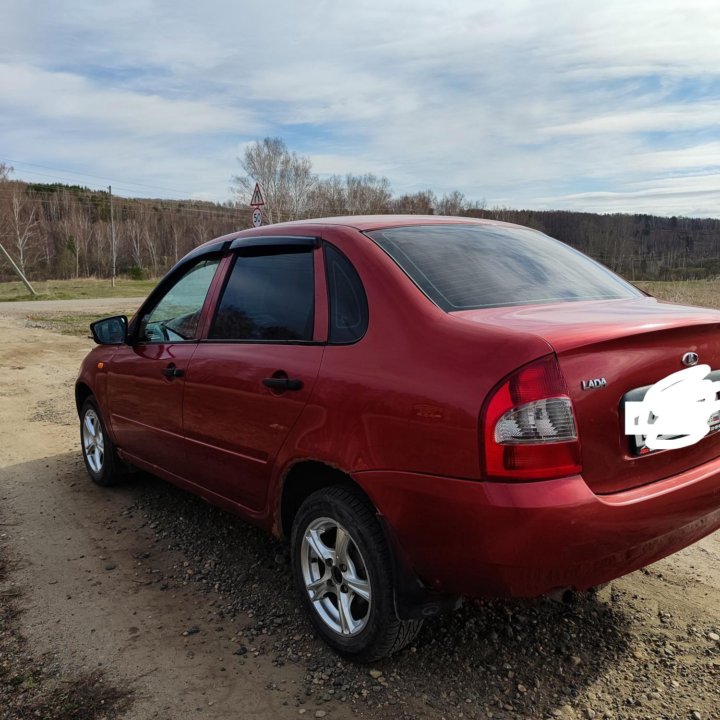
[[490, 658]]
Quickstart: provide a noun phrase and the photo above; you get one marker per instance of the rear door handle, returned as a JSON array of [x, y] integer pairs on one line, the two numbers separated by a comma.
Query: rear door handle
[[281, 384], [173, 372]]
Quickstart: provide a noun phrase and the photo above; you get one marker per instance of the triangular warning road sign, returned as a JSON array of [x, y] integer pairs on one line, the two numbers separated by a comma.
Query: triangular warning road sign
[[257, 197]]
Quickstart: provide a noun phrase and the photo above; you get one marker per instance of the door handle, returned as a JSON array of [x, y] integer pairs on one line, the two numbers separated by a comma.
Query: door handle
[[173, 372], [281, 384]]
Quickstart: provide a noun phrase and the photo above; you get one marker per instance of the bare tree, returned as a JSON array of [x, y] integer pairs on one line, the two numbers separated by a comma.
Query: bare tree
[[136, 233], [84, 234], [262, 163], [419, 203], [328, 197], [298, 184], [178, 230], [5, 171], [286, 179], [453, 203], [23, 223], [367, 194]]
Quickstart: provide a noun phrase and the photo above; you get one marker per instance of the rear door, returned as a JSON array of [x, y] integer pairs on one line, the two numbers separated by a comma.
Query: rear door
[[251, 377]]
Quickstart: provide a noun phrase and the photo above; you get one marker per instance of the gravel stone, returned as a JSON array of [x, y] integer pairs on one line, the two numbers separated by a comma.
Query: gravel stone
[[603, 656]]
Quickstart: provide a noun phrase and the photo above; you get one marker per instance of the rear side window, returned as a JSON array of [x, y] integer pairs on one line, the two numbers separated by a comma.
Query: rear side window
[[348, 303], [465, 267], [267, 297]]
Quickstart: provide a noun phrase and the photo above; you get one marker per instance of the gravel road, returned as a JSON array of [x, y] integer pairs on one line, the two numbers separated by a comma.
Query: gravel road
[[193, 611], [101, 305]]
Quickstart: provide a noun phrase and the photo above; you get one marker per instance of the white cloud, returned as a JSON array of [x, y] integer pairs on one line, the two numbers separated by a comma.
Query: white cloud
[[664, 161], [70, 97], [528, 104], [652, 119], [670, 196]]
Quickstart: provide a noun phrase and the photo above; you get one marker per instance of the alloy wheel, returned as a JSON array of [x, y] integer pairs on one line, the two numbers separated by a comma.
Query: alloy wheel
[[93, 441], [335, 576]]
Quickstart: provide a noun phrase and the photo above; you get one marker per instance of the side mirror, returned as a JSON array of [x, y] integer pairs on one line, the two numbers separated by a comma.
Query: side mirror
[[110, 331]]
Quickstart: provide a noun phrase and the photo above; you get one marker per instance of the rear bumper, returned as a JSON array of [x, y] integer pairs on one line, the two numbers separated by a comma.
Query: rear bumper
[[525, 539]]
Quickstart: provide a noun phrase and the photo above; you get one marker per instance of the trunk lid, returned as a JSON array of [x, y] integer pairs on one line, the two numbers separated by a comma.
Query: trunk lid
[[631, 344]]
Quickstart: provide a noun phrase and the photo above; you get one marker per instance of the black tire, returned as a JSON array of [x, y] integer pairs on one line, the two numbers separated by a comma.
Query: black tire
[[379, 632], [109, 470]]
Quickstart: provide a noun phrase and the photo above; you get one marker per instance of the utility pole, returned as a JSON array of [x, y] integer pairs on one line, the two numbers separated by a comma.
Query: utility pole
[[113, 247], [18, 271]]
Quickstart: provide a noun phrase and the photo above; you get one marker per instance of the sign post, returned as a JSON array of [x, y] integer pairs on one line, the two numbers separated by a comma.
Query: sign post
[[256, 203]]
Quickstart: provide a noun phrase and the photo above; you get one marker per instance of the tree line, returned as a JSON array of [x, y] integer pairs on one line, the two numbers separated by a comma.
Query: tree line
[[65, 231]]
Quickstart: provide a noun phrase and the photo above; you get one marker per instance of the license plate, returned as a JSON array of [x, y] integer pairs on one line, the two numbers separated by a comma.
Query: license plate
[[638, 446], [637, 442]]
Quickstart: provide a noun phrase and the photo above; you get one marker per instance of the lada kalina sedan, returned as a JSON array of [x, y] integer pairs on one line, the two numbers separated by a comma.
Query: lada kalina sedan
[[426, 407]]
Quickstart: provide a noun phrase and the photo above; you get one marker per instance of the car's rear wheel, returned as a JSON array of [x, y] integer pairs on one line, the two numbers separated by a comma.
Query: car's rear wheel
[[98, 450], [343, 572]]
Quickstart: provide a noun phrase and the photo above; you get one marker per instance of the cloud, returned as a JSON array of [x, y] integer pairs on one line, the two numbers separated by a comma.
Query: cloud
[[525, 104], [66, 96], [665, 161], [652, 119]]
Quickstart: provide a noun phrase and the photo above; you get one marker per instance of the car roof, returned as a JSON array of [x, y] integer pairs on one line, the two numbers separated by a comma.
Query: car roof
[[362, 223], [377, 222]]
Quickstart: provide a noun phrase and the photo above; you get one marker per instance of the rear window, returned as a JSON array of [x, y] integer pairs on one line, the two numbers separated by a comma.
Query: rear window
[[465, 267]]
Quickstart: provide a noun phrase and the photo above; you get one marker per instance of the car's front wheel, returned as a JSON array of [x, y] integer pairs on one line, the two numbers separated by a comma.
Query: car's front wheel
[[343, 572], [98, 451]]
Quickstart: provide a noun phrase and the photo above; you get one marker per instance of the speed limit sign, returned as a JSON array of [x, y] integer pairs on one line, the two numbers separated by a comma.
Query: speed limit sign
[[257, 217]]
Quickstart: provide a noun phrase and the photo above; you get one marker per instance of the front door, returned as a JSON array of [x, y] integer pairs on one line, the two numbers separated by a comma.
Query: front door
[[146, 378], [250, 379]]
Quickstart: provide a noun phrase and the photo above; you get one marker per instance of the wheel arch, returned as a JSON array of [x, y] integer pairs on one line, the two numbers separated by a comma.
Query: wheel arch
[[412, 599], [300, 481], [82, 393]]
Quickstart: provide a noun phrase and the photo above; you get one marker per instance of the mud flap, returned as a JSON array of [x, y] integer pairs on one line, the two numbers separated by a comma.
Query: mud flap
[[413, 600]]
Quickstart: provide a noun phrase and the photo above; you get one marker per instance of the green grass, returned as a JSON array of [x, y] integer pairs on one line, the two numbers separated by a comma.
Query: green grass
[[76, 289], [705, 293]]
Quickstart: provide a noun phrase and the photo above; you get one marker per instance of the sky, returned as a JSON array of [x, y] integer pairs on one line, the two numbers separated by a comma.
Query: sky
[[575, 105]]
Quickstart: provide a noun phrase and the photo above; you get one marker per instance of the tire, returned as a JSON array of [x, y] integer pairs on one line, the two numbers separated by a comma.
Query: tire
[[101, 461], [349, 596]]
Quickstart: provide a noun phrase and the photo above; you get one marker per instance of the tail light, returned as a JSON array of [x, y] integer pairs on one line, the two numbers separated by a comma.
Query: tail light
[[529, 426]]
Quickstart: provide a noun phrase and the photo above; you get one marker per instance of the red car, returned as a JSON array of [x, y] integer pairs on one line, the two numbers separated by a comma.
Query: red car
[[427, 407]]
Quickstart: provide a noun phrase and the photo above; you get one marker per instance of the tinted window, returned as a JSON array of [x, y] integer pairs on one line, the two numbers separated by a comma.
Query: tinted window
[[268, 297], [175, 317], [348, 304], [460, 267]]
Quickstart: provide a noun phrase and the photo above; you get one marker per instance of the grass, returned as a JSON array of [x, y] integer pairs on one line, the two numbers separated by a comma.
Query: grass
[[76, 289], [694, 292], [705, 293], [77, 324]]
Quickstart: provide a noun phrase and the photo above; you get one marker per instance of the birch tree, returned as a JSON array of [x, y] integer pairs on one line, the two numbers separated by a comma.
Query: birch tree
[[286, 179], [23, 223]]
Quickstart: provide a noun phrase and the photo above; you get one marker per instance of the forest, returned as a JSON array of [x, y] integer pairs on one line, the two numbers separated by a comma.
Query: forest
[[67, 231]]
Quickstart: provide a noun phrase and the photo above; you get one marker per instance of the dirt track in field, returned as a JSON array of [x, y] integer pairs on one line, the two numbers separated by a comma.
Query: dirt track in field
[[120, 579]]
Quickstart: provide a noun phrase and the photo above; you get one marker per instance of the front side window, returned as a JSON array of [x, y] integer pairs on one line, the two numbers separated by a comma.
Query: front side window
[[176, 316], [268, 297], [465, 267]]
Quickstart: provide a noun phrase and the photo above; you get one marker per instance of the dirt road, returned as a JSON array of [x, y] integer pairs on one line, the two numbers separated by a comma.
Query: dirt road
[[193, 612]]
